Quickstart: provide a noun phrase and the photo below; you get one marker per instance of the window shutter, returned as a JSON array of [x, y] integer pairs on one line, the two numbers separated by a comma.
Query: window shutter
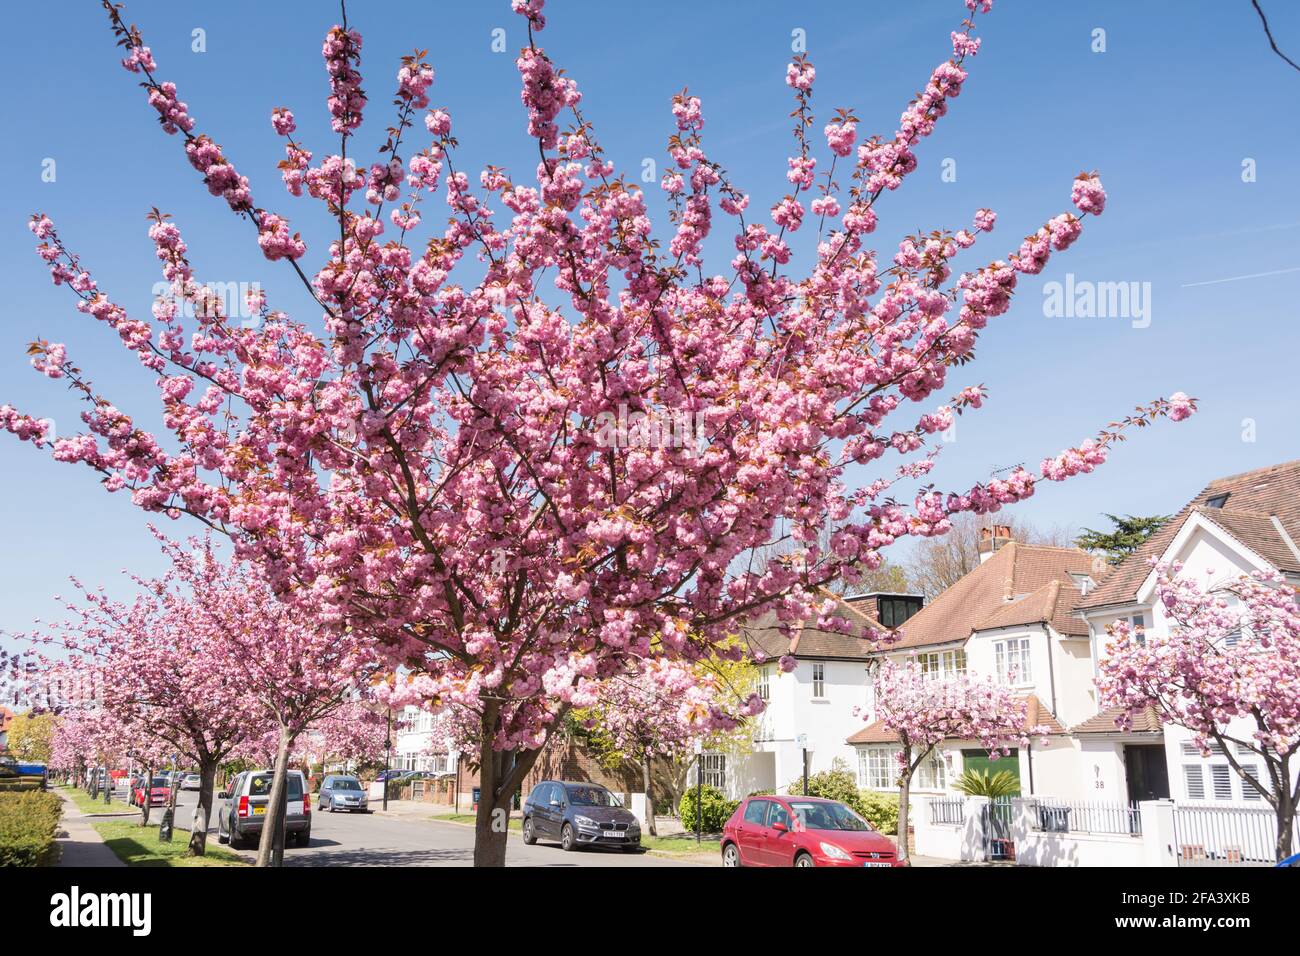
[[1195, 782], [1221, 774]]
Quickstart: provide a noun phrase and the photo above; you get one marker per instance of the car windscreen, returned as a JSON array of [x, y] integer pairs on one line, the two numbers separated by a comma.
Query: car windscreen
[[260, 785], [159, 782], [345, 784], [591, 797], [827, 816]]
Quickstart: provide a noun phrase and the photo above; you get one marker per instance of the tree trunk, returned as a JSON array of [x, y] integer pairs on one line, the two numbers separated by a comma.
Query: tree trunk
[[500, 773], [904, 800], [270, 849], [203, 812], [649, 796], [146, 791], [1285, 810]]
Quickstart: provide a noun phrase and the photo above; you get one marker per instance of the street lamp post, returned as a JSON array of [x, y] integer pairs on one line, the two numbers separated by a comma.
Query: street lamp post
[[699, 791], [803, 746], [388, 750]]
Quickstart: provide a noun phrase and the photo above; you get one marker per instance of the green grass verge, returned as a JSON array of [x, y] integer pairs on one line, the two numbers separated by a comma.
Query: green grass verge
[[95, 808], [138, 846], [681, 843]]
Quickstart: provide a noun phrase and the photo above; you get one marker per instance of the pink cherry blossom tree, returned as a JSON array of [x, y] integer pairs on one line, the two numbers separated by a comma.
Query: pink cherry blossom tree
[[658, 711], [534, 447], [924, 712], [1228, 670], [151, 671]]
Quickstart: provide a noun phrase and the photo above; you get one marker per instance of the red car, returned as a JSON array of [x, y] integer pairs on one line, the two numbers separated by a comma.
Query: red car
[[159, 793], [802, 831]]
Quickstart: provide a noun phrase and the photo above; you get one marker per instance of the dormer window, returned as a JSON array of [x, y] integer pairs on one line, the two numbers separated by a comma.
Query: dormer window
[[1083, 582], [1216, 501]]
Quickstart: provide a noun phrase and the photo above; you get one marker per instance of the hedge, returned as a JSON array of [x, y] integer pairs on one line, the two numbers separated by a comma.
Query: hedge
[[28, 823], [716, 809]]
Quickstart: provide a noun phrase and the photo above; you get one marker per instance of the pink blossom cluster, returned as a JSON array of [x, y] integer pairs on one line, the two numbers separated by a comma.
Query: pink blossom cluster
[[342, 53]]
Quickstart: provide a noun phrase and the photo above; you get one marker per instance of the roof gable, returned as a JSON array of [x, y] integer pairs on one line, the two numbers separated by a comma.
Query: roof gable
[[1261, 511], [1014, 574]]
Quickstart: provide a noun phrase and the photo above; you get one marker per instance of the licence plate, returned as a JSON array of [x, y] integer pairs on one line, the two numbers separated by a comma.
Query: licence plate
[[259, 811], [613, 834], [875, 863]]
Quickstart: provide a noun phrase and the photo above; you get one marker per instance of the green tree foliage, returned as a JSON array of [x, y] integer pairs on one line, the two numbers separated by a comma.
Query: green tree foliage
[[29, 737], [1129, 533]]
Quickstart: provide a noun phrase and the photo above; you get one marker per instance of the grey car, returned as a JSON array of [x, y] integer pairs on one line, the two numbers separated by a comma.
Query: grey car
[[241, 817], [578, 815], [342, 792]]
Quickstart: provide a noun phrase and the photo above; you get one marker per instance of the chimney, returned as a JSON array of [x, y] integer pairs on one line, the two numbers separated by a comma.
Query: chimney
[[993, 538]]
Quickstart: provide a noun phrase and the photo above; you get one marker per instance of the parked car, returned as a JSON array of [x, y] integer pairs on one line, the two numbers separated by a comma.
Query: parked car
[[342, 792], [579, 814], [389, 775], [241, 817], [160, 792], [191, 781], [802, 831]]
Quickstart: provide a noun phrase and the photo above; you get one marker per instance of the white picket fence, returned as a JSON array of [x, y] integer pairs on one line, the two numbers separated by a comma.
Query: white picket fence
[[1209, 835]]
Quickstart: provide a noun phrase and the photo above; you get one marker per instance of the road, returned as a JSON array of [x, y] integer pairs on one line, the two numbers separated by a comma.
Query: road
[[373, 839]]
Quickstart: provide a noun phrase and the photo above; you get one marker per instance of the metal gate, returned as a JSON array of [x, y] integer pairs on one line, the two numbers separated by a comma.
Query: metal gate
[[998, 842]]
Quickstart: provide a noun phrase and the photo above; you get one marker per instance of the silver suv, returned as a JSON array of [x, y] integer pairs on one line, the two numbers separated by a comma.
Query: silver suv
[[242, 815]]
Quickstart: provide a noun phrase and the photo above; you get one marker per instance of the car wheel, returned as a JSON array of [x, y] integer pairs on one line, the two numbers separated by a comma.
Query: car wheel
[[222, 837], [236, 841], [320, 804], [804, 859], [567, 840], [529, 836], [730, 855]]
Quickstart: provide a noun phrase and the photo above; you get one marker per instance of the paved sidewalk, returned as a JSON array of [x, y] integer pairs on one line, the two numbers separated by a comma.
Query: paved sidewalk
[[79, 844]]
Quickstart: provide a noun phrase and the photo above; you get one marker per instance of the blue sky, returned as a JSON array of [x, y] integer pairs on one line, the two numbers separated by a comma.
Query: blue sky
[[1181, 97]]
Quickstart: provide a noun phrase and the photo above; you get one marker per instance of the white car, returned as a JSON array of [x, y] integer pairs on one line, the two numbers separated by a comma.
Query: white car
[[191, 781]]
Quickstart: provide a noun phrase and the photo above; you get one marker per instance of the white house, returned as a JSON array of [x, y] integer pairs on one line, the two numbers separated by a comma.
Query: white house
[[1236, 525], [413, 746], [811, 708], [1009, 620]]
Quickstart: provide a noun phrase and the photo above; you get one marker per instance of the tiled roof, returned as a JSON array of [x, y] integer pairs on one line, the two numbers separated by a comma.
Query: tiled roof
[[1254, 499], [1053, 604], [1104, 723], [1014, 571], [1036, 715], [764, 634]]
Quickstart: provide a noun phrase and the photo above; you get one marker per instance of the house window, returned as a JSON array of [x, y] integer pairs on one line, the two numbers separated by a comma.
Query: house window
[[943, 664], [1248, 792], [764, 683], [819, 680], [1221, 775], [1083, 582], [1194, 780], [877, 768], [1012, 659], [1216, 501], [714, 770]]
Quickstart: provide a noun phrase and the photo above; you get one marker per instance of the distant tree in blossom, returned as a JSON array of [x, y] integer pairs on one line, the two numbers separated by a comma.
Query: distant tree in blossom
[[924, 712], [1228, 670]]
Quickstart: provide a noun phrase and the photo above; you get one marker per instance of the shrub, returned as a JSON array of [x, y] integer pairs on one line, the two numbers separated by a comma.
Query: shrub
[[28, 822], [880, 810], [838, 783], [983, 783], [714, 809]]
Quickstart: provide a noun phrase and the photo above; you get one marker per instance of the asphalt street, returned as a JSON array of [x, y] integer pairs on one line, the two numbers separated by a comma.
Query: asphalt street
[[373, 839]]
